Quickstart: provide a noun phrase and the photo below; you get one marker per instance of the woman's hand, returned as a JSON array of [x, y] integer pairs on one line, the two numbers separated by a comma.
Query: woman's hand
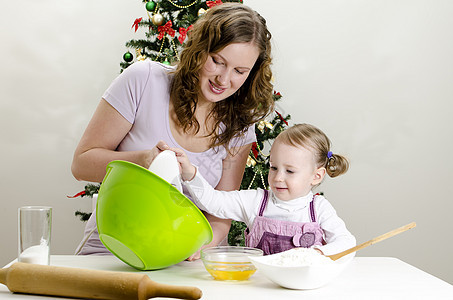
[[196, 255], [150, 155]]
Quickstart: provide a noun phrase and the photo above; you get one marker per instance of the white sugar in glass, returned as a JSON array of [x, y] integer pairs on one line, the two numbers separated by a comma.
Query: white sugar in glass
[[35, 224]]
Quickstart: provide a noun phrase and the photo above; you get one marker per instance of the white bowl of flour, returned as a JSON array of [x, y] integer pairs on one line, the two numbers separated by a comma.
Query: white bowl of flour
[[300, 268]]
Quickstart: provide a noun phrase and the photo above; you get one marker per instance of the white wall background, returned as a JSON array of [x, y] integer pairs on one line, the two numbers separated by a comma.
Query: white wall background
[[376, 76]]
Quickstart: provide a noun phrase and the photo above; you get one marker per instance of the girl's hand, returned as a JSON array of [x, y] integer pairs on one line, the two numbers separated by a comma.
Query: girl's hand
[[187, 170], [319, 250]]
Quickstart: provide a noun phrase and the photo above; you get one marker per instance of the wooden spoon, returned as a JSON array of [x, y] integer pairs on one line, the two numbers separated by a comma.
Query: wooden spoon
[[373, 241]]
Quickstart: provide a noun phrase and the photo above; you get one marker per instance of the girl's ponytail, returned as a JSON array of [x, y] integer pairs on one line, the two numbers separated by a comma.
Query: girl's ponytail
[[336, 164]]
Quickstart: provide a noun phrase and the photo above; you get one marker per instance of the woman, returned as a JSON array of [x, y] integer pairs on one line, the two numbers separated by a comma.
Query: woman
[[207, 106]]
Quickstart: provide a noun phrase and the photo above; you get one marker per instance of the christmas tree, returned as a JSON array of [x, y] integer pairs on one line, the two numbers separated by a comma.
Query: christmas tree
[[166, 25]]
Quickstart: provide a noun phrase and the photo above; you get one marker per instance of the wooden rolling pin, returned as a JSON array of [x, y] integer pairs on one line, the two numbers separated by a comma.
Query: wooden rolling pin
[[92, 284]]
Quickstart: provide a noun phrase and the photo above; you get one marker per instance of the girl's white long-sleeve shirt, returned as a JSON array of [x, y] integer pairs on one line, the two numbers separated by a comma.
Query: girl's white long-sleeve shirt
[[244, 206]]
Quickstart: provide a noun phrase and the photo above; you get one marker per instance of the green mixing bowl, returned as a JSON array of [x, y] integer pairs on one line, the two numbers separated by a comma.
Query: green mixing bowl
[[145, 221]]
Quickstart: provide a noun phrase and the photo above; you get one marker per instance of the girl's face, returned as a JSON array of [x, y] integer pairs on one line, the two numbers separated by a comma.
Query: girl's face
[[224, 72], [292, 172]]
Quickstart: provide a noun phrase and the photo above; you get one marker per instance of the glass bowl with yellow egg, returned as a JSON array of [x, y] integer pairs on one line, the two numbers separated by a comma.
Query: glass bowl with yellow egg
[[229, 262]]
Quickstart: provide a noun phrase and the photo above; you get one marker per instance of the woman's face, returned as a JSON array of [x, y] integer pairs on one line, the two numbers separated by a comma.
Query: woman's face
[[224, 72]]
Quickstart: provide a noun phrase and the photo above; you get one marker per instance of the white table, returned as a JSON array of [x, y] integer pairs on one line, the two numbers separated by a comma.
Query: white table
[[364, 278]]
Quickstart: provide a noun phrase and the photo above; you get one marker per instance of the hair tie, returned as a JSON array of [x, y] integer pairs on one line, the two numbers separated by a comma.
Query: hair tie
[[329, 154]]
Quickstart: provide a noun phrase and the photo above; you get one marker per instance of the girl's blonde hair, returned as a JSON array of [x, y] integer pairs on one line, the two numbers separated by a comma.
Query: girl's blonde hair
[[313, 139], [219, 27]]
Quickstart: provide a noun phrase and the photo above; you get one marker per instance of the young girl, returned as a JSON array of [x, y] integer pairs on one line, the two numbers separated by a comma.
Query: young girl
[[289, 215]]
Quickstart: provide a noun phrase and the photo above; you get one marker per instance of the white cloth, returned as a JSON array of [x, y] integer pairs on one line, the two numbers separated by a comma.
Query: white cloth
[[244, 206]]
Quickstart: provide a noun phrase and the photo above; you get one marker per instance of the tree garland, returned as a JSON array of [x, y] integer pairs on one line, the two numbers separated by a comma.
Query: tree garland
[[166, 28]]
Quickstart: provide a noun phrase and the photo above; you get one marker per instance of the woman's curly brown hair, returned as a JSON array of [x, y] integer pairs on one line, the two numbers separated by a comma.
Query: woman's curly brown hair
[[221, 26]]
